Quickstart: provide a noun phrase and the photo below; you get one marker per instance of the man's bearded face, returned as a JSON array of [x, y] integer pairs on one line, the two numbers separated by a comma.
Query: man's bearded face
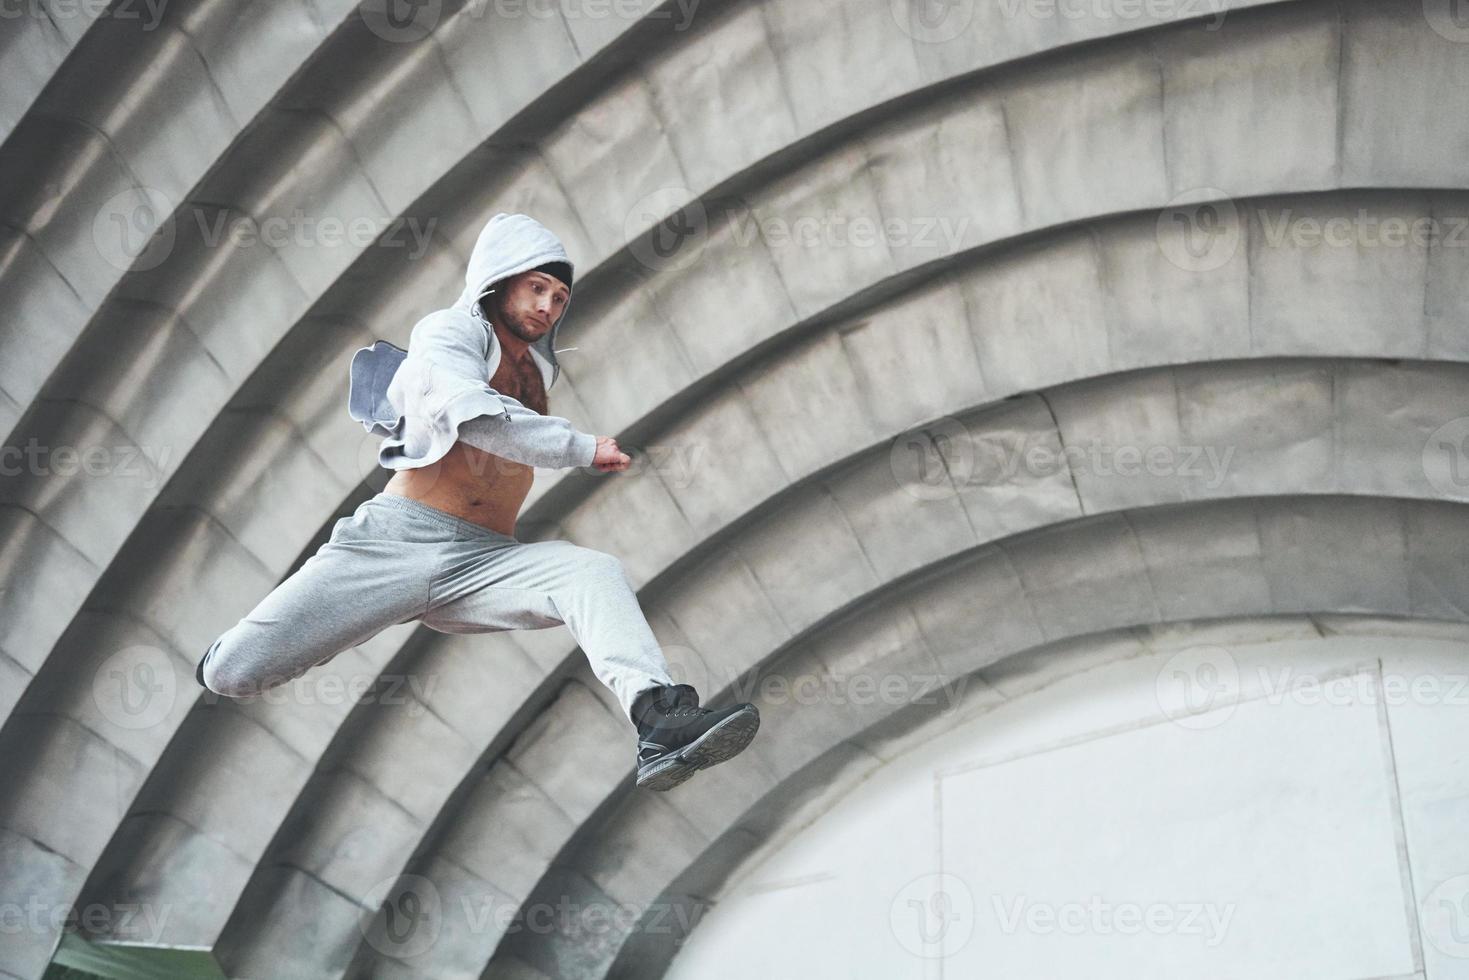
[[528, 304]]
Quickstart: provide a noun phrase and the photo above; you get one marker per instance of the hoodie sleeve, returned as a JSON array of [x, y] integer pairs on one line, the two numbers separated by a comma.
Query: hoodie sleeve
[[529, 437], [450, 356]]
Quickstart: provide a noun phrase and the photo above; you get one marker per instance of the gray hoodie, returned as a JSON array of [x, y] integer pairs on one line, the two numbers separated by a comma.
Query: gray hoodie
[[418, 399]]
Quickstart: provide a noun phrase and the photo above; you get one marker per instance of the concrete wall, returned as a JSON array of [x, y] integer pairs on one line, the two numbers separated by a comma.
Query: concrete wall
[[1044, 245], [1264, 799]]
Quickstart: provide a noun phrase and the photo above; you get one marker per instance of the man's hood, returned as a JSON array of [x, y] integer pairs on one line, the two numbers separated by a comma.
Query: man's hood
[[508, 245]]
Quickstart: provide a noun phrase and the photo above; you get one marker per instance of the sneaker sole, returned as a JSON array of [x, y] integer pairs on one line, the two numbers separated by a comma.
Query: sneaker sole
[[719, 744]]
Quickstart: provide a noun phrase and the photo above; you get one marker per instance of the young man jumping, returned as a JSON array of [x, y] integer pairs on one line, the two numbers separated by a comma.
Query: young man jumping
[[463, 416]]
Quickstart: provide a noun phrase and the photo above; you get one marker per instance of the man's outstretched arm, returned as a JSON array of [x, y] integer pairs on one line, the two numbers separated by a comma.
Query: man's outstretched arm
[[450, 357], [529, 437]]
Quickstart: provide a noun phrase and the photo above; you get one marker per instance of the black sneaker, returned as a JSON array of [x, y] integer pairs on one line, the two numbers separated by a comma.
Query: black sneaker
[[677, 738], [199, 670]]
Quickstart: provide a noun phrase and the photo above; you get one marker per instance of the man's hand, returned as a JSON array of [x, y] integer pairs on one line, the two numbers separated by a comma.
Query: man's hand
[[609, 458]]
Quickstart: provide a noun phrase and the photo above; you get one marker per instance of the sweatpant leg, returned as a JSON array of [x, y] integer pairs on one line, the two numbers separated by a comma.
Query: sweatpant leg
[[509, 584], [373, 573]]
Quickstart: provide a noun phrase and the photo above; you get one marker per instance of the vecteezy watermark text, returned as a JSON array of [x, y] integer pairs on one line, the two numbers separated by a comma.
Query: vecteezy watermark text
[[861, 688], [411, 914], [668, 229], [945, 458], [1099, 917], [135, 921], [410, 21], [1120, 10], [149, 12], [137, 230], [147, 463]]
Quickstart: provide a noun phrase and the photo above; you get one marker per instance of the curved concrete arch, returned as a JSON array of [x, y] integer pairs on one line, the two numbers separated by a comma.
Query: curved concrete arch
[[469, 670], [107, 595], [37, 50], [1118, 570], [814, 359], [98, 499], [183, 339], [180, 546], [71, 558], [200, 362], [235, 149], [70, 565], [1016, 361], [658, 937], [868, 499], [149, 99], [197, 326]]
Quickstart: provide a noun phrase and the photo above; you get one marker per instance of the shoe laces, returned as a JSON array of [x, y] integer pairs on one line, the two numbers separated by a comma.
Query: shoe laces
[[683, 711]]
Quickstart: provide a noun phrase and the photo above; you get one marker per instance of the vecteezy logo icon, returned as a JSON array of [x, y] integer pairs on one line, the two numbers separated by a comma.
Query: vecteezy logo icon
[[135, 230], [933, 915], [1199, 687], [1449, 19], [667, 229], [685, 666], [402, 21], [934, 462], [135, 688], [1446, 458], [1199, 230], [1446, 917], [933, 21], [402, 916]]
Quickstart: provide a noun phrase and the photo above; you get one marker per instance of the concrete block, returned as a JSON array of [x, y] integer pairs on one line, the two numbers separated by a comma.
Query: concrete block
[[477, 37], [508, 833], [722, 80], [716, 462], [345, 832], [314, 932], [1087, 135], [1310, 548], [1036, 312], [1317, 264], [719, 291], [52, 568], [161, 112], [1391, 132], [1007, 464], [973, 612], [726, 616], [818, 223], [817, 44], [609, 156], [1085, 575], [1277, 88], [944, 180], [899, 530], [914, 358], [815, 375], [574, 751], [806, 584], [45, 315]]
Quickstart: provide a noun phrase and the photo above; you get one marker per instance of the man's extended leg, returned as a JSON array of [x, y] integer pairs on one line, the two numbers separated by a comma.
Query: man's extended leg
[[373, 573], [503, 584]]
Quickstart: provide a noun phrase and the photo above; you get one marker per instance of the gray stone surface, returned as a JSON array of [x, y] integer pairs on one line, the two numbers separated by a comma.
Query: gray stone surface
[[840, 417], [1301, 521]]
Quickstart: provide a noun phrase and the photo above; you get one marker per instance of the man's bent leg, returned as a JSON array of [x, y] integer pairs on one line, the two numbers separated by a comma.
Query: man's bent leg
[[372, 574], [534, 585]]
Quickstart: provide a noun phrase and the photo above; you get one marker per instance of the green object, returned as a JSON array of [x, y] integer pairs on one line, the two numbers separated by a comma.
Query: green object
[[78, 959]]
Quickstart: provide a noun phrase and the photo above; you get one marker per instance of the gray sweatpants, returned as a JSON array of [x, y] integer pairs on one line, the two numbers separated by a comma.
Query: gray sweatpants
[[396, 560]]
